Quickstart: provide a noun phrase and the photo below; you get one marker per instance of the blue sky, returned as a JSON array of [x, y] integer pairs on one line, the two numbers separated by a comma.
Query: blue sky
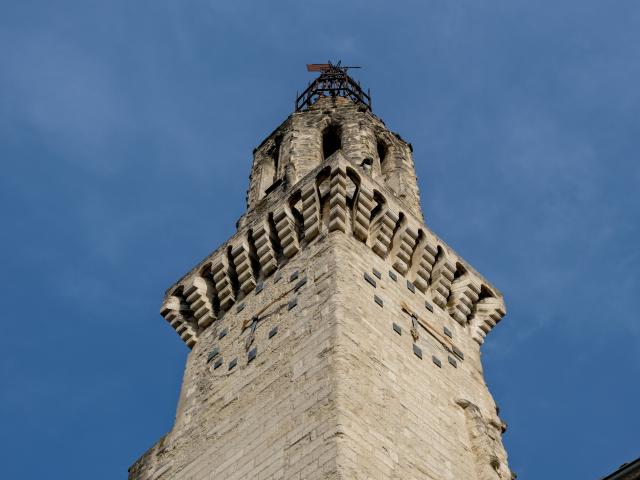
[[126, 132]]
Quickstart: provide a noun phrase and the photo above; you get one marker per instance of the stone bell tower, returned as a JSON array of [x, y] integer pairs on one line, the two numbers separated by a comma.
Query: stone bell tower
[[334, 336]]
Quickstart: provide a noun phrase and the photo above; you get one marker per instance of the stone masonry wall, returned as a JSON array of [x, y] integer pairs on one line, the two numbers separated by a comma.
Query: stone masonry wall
[[407, 375], [273, 416], [336, 388]]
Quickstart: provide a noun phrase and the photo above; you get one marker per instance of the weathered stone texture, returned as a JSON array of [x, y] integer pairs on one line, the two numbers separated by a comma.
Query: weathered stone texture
[[400, 414], [273, 417], [295, 148], [334, 336]]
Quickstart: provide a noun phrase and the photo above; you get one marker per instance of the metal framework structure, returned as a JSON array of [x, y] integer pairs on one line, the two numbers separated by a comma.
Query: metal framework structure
[[333, 81]]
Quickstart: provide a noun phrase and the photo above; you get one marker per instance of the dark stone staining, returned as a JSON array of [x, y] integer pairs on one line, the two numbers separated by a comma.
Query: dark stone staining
[[428, 306], [393, 276], [378, 300], [411, 287], [213, 354], [252, 354], [300, 284], [222, 334], [270, 166], [232, 275], [292, 303], [233, 363], [452, 361], [417, 351], [294, 199], [448, 332], [273, 186], [458, 353], [370, 280], [273, 331], [377, 274], [382, 150], [437, 361], [397, 329]]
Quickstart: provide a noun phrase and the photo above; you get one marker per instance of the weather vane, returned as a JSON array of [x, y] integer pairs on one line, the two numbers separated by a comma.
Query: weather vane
[[334, 81], [327, 67]]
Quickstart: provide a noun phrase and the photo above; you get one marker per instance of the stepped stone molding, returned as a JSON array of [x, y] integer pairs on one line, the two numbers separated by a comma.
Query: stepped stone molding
[[338, 201], [362, 213], [275, 237], [199, 295], [488, 312], [441, 279], [222, 278], [407, 239], [424, 257], [263, 240], [242, 258], [465, 291], [172, 310], [286, 230], [311, 211], [382, 232]]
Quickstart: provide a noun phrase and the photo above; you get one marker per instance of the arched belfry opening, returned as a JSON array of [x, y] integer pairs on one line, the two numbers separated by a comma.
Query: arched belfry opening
[[269, 167], [382, 152], [383, 155], [274, 153], [331, 141]]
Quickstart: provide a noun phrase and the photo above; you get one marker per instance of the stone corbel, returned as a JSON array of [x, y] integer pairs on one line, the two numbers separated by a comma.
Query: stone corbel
[[285, 228], [222, 280], [171, 310], [242, 259], [488, 312], [465, 292], [199, 293]]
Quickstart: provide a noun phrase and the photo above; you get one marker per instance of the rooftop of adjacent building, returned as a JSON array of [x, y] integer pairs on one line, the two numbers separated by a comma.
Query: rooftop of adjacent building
[[627, 471]]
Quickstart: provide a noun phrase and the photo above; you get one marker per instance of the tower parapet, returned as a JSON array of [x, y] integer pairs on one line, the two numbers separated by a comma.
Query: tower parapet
[[338, 195]]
